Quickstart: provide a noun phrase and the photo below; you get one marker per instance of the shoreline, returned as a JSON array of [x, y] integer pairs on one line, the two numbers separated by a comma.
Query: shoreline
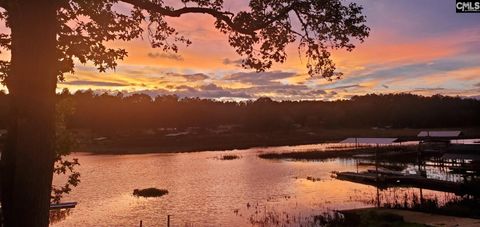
[[119, 150], [137, 143]]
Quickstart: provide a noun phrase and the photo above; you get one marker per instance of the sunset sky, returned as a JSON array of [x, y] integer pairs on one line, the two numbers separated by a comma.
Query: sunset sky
[[422, 47]]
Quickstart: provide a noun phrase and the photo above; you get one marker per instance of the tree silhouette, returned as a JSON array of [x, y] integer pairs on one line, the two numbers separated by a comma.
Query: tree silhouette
[[115, 115], [48, 36]]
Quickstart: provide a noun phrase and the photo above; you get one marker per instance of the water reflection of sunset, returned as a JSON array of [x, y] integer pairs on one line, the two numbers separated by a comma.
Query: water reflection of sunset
[[205, 190]]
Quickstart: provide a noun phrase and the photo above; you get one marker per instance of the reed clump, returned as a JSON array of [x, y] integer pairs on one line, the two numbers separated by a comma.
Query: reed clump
[[229, 157]]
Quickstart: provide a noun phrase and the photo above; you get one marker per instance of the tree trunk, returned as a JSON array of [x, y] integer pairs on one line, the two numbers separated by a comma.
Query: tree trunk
[[27, 162]]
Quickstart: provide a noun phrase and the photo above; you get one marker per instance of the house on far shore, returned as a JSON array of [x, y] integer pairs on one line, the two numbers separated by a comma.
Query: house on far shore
[[438, 140], [440, 134]]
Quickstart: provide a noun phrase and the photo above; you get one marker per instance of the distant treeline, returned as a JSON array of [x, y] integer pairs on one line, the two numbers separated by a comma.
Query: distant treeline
[[108, 113]]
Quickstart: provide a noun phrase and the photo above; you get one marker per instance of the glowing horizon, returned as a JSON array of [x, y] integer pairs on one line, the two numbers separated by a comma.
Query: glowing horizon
[[419, 47]]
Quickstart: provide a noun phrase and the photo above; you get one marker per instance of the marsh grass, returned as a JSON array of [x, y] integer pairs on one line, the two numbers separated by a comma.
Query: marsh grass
[[313, 179], [360, 219], [330, 219], [407, 154], [462, 207], [372, 218], [229, 157]]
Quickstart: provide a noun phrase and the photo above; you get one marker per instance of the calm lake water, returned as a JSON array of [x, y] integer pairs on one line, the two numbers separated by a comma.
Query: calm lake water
[[206, 191]]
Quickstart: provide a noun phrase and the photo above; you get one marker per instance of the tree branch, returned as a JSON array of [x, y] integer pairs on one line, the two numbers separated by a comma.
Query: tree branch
[[220, 15], [281, 13], [147, 5]]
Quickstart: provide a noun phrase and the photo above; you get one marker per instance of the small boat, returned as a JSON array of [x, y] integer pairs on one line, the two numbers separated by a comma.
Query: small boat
[[58, 206]]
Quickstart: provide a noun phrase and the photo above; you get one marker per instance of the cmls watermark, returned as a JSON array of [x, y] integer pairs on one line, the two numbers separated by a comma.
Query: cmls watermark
[[468, 6]]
